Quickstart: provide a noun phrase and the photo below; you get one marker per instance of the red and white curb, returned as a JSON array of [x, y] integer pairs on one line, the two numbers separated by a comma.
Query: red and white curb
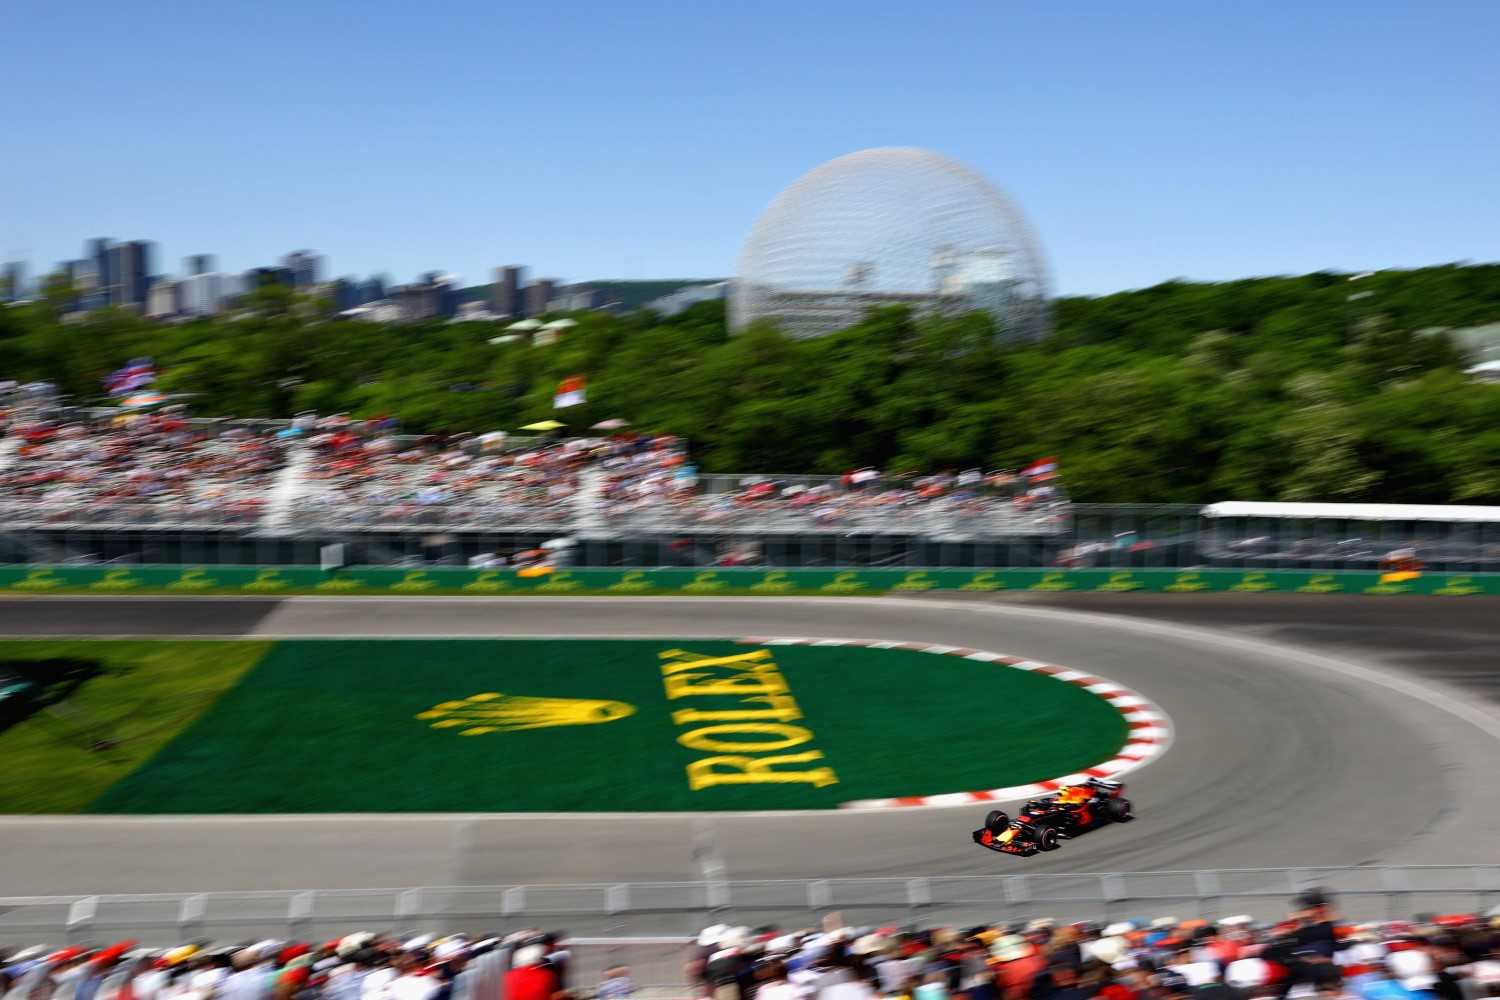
[[1149, 736]]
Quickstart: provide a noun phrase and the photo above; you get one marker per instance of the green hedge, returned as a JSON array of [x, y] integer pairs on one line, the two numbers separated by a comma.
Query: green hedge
[[287, 580]]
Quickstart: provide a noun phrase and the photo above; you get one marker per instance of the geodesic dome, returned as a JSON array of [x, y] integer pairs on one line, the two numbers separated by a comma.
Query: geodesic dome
[[890, 226]]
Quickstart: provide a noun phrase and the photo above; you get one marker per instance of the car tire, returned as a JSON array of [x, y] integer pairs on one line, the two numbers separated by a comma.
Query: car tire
[[1046, 837], [1118, 810], [996, 821]]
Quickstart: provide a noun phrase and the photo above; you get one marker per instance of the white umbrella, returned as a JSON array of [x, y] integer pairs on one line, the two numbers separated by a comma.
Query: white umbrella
[[612, 424]]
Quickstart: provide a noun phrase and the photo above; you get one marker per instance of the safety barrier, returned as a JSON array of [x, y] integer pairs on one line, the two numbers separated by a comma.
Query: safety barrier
[[289, 580], [639, 910]]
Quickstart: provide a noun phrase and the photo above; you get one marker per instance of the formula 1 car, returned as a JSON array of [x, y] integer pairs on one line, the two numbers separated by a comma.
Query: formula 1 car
[[1043, 822]]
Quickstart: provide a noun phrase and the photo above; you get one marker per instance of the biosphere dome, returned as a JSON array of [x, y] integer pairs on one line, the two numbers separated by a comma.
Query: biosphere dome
[[887, 226]]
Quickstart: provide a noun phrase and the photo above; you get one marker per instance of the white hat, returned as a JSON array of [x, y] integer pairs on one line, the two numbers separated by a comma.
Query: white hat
[[868, 945], [1237, 921], [712, 935], [1164, 922], [1010, 948], [1041, 924], [350, 943], [783, 944], [531, 954], [1120, 929], [1108, 950]]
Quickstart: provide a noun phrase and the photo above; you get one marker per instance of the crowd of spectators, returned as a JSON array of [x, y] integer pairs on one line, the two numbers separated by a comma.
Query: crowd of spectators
[[527, 965], [1306, 955], [158, 467], [359, 474], [862, 498], [1309, 954], [136, 468]]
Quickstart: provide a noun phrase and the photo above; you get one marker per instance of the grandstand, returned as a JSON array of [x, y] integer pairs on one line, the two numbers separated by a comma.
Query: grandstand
[[99, 487]]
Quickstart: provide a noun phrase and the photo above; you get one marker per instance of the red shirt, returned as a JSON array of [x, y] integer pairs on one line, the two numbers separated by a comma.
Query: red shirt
[[530, 982]]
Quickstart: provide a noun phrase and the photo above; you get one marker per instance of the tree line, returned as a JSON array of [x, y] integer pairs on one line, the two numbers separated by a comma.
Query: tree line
[[1264, 389]]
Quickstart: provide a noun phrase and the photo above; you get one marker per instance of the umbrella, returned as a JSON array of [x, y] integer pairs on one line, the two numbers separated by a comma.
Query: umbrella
[[143, 399], [612, 424], [526, 324], [506, 338], [560, 324], [290, 432], [543, 425]]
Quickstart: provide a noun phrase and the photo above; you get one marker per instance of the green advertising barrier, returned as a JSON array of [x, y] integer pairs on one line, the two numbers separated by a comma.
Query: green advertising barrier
[[289, 580]]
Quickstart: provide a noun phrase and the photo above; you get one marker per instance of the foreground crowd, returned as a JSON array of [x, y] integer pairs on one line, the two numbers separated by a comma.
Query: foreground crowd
[[1451, 958], [525, 966], [1306, 955]]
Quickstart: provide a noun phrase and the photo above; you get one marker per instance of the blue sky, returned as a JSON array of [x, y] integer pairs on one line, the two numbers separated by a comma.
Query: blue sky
[[1145, 140]]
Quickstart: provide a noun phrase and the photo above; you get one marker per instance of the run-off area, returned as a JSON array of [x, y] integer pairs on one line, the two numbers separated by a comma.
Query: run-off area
[[532, 725]]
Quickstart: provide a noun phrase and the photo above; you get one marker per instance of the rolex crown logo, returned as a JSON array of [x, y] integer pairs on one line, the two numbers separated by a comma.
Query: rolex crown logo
[[492, 712]]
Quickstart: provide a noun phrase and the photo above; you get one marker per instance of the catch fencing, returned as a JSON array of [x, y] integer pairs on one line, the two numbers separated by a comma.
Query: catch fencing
[[714, 533], [661, 917]]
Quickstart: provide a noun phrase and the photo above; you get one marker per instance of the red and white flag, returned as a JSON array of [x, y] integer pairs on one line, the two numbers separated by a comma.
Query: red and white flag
[[570, 392], [1040, 468]]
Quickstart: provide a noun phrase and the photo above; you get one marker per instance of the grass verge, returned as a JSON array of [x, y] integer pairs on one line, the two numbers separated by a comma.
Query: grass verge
[[142, 695]]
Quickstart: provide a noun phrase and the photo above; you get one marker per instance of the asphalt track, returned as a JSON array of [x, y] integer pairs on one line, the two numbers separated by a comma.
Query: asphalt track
[[1309, 732]]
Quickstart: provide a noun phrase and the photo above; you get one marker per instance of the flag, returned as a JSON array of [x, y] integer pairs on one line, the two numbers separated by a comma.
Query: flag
[[134, 376], [1039, 469], [570, 392]]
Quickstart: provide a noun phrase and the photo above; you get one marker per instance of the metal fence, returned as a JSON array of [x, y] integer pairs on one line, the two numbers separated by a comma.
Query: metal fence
[[1150, 536], [663, 912]]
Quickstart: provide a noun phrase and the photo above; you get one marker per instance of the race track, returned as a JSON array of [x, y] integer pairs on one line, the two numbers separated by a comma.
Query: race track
[[1309, 732]]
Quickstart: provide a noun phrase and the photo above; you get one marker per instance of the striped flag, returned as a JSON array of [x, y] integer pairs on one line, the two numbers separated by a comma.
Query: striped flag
[[570, 392], [1040, 469]]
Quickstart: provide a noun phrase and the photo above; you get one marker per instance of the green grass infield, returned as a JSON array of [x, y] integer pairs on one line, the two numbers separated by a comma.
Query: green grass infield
[[533, 725]]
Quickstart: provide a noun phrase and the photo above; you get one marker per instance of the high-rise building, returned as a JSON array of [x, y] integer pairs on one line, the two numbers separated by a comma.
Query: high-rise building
[[201, 294], [434, 295], [200, 263], [304, 267], [370, 290], [97, 250], [505, 292], [13, 282], [538, 295], [162, 301], [129, 264]]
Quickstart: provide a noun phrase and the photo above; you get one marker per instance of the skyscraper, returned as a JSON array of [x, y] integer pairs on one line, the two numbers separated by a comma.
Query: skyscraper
[[200, 263], [13, 284], [505, 291], [201, 294], [129, 265], [97, 250], [304, 267], [164, 300], [538, 294]]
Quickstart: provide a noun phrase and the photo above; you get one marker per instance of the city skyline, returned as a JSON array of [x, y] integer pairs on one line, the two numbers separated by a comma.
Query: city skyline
[[1146, 144]]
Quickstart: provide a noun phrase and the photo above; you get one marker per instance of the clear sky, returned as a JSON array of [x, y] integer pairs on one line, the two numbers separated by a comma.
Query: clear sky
[[1146, 140]]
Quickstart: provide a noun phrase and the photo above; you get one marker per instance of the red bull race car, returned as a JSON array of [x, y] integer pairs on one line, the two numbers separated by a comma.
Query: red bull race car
[[1043, 822]]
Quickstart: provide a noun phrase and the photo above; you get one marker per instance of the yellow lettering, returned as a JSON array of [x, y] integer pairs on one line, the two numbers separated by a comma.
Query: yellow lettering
[[758, 770], [695, 661], [701, 739], [737, 685], [783, 709]]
